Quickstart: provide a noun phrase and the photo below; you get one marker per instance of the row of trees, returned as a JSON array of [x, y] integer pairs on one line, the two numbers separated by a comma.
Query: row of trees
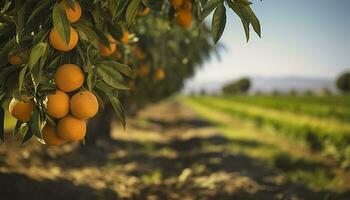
[[107, 43], [242, 86]]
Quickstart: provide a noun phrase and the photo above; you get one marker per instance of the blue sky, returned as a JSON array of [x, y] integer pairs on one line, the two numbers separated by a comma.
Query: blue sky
[[303, 38]]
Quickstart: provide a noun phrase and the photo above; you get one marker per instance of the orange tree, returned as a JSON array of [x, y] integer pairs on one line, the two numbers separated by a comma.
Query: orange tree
[[60, 61]]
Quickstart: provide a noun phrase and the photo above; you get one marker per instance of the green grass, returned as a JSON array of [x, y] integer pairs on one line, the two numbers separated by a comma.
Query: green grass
[[291, 156], [321, 134], [337, 107]]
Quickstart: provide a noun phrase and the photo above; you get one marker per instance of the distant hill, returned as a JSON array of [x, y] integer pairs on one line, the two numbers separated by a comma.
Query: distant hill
[[266, 85]]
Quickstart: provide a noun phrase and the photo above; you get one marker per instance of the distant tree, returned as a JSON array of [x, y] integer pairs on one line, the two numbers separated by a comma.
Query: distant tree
[[293, 92], [203, 92], [343, 82], [308, 92], [275, 93], [325, 91], [237, 87], [258, 93]]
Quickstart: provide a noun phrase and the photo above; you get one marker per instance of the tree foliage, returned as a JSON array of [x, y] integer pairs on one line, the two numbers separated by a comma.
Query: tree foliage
[[343, 82], [29, 58], [240, 86]]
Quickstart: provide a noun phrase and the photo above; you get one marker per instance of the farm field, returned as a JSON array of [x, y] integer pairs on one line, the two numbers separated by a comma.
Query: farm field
[[331, 135], [182, 148]]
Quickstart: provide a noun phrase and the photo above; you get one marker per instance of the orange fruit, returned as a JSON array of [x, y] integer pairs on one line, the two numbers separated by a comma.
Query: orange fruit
[[57, 42], [84, 105], [159, 74], [183, 18], [144, 12], [107, 51], [177, 3], [50, 136], [71, 128], [58, 104], [69, 77], [139, 54], [21, 110], [125, 38], [15, 60], [73, 15], [143, 70]]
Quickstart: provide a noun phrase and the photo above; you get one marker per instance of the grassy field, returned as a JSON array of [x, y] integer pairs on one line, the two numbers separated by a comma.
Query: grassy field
[[304, 143]]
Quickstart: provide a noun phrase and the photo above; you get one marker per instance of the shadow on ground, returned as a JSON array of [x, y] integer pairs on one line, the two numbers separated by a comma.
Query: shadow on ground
[[192, 168], [18, 186]]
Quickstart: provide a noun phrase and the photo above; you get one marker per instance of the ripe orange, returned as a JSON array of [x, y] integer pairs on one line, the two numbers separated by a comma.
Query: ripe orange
[[57, 42], [50, 136], [73, 15], [107, 51], [69, 77], [58, 104], [159, 74], [84, 105], [144, 12], [183, 18], [143, 70], [125, 38], [15, 60], [177, 3], [71, 128], [139, 54], [21, 110]]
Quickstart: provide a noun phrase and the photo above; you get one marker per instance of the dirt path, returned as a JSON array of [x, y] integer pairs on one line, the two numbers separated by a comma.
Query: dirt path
[[167, 152]]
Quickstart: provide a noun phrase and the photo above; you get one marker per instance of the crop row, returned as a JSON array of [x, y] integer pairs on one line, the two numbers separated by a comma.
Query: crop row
[[319, 133], [337, 107]]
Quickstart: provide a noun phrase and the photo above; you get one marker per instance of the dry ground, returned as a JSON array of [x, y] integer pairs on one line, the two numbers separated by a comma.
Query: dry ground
[[167, 152]]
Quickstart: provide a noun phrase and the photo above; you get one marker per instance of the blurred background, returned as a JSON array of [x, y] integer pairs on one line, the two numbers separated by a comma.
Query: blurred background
[[268, 119]]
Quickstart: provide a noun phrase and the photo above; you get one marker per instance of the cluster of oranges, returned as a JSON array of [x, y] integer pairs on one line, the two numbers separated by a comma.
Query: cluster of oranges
[[183, 13], [70, 111], [69, 108]]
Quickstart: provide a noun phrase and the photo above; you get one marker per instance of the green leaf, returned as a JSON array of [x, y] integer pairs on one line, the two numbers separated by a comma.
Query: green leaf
[[124, 69], [91, 80], [112, 77], [7, 5], [61, 23], [37, 52], [244, 2], [132, 10], [118, 108], [36, 123], [209, 7], [101, 37], [17, 126], [218, 22], [2, 118], [120, 8], [50, 121], [156, 5], [115, 30], [21, 77], [25, 133], [239, 10], [42, 6], [253, 20]]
